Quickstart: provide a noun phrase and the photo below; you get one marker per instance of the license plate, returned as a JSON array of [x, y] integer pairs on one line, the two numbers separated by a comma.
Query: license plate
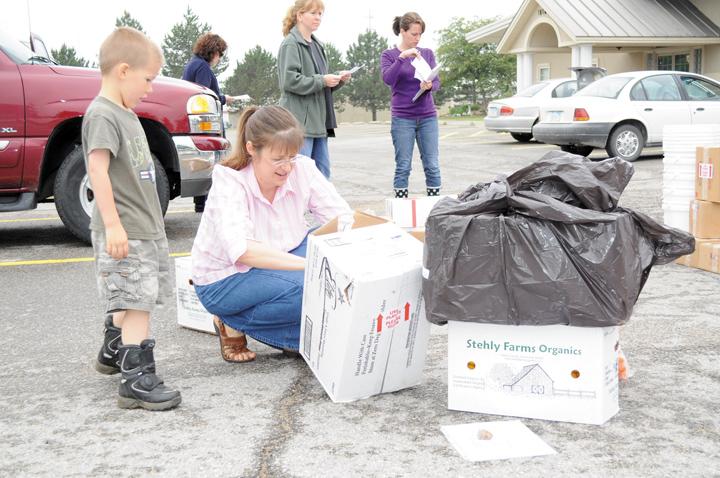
[[554, 116], [492, 111]]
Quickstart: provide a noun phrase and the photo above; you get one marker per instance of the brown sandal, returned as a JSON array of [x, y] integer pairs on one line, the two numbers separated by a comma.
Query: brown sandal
[[231, 346]]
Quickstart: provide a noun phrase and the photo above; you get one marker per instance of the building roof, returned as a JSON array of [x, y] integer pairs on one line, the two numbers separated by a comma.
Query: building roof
[[630, 18], [603, 21]]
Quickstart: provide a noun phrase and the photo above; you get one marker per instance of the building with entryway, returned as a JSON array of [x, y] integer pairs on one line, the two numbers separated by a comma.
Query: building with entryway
[[550, 36]]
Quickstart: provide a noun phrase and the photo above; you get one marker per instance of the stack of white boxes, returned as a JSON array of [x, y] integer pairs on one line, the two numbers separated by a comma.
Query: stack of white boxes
[[679, 146]]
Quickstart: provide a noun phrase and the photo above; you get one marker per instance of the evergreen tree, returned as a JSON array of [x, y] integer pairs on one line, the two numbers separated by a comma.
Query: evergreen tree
[[127, 20], [255, 76], [68, 56], [177, 45], [470, 72], [367, 90]]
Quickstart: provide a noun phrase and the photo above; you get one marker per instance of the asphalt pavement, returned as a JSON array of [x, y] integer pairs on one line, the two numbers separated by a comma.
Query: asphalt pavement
[[271, 417]]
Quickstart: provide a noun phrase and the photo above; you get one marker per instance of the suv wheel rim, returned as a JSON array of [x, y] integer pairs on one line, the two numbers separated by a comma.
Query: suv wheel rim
[[627, 144], [87, 198]]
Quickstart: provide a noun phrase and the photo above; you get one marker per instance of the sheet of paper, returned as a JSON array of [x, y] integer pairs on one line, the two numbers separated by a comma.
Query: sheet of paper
[[422, 69], [509, 439], [354, 69]]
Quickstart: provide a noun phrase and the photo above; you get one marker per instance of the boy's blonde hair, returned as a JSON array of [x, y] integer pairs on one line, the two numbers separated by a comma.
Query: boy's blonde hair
[[128, 45]]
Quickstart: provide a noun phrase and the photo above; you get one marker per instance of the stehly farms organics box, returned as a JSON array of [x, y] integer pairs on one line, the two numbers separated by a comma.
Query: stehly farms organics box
[[190, 312], [412, 212], [363, 329], [552, 372]]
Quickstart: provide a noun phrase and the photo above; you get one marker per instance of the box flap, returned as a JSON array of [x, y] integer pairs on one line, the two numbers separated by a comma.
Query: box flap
[[362, 219]]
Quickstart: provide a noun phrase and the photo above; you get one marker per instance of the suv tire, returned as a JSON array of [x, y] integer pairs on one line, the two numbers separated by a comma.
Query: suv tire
[[73, 196]]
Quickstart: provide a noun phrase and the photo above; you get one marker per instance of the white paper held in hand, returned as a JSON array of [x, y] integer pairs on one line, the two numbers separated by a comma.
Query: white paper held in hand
[[423, 72]]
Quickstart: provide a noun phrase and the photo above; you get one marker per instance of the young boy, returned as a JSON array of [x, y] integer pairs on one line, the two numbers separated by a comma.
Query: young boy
[[127, 228]]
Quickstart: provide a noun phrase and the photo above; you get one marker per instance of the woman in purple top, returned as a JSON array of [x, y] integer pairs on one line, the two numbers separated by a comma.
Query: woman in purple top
[[411, 120]]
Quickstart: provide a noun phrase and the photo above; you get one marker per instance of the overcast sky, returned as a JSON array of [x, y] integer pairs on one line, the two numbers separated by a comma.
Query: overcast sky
[[83, 24]]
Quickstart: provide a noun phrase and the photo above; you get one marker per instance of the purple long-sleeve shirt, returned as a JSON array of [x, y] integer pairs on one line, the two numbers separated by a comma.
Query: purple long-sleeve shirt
[[399, 74]]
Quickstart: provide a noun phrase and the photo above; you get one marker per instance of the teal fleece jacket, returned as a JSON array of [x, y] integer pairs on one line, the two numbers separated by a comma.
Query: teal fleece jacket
[[301, 89]]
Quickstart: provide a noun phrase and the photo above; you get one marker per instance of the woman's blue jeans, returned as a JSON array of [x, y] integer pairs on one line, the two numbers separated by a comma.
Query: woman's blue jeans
[[405, 132], [265, 304], [317, 149]]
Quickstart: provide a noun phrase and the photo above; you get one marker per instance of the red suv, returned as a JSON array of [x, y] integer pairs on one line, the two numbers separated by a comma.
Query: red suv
[[41, 111]]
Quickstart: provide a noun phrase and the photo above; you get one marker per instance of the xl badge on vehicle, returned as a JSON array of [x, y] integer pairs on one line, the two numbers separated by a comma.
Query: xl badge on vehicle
[[8, 130]]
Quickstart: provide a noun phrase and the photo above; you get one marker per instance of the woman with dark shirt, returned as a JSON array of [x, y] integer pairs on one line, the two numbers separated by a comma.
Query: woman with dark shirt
[[207, 52]]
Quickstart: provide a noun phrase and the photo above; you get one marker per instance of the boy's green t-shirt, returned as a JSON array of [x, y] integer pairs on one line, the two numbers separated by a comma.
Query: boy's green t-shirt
[[132, 172]]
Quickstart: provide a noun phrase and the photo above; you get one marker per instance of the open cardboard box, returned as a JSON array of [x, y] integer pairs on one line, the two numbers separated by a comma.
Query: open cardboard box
[[363, 328]]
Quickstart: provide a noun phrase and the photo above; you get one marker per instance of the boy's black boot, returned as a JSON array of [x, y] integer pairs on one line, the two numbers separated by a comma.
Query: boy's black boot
[[139, 386], [433, 191], [107, 359], [401, 193]]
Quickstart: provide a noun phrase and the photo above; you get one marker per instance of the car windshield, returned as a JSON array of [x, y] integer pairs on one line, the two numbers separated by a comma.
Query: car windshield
[[532, 90], [608, 87], [18, 52]]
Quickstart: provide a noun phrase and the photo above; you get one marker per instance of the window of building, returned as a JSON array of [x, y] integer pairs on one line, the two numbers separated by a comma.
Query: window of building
[[664, 62], [697, 60], [543, 71], [682, 62], [675, 61]]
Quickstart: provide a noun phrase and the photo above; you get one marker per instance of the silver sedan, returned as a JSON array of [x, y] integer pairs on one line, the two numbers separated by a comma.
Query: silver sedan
[[518, 114]]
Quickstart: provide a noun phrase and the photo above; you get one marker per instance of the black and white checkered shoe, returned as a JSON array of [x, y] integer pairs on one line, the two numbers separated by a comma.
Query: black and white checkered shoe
[[401, 193], [433, 191]]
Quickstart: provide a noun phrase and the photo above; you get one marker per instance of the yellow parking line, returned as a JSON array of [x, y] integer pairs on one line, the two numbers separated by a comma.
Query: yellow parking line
[[34, 219], [479, 133], [448, 135], [29, 219], [69, 260]]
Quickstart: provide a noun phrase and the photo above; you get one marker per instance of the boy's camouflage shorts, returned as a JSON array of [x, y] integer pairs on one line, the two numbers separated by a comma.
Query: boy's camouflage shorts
[[140, 281]]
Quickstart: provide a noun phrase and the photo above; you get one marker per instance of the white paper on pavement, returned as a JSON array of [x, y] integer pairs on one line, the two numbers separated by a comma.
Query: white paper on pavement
[[509, 439]]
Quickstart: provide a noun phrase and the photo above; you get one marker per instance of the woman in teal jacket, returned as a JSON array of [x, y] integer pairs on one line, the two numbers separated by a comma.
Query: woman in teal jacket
[[305, 85]]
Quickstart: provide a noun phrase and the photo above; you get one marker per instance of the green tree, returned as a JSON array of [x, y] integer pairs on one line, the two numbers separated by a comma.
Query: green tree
[[68, 56], [471, 72], [367, 90], [127, 20], [255, 76], [335, 65], [177, 45]]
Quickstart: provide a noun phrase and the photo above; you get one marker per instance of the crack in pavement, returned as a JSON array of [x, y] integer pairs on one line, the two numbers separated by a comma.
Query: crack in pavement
[[285, 424]]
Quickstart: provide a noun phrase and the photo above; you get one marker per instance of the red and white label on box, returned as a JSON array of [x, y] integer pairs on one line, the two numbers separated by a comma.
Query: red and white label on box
[[705, 171]]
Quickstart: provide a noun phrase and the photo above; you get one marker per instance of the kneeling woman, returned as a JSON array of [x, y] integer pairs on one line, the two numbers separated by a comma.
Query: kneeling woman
[[248, 258]]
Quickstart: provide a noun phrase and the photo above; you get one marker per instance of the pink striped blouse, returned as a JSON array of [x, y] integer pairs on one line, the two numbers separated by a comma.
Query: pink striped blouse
[[236, 211]]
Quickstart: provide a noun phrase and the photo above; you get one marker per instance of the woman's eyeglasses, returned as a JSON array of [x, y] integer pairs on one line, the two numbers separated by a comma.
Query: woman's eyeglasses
[[282, 162]]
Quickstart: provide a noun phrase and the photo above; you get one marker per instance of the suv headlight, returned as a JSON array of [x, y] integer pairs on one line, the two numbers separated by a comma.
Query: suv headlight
[[204, 114]]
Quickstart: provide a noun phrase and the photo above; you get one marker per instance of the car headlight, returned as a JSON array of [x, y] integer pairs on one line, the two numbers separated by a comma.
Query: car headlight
[[204, 115], [202, 104]]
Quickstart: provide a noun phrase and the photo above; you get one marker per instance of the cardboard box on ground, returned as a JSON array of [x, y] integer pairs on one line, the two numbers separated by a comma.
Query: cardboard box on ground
[[551, 372], [412, 212], [705, 212], [190, 312], [363, 328], [707, 174]]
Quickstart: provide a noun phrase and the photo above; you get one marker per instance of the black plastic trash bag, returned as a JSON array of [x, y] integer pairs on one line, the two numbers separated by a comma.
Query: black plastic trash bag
[[546, 245]]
